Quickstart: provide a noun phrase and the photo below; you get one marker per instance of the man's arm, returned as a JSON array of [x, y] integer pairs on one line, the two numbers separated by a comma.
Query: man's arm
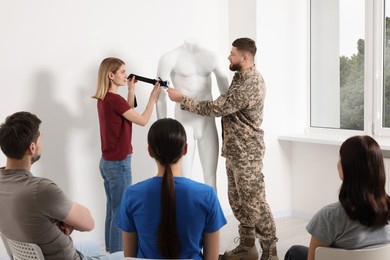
[[53, 202], [223, 105], [65, 228], [80, 218]]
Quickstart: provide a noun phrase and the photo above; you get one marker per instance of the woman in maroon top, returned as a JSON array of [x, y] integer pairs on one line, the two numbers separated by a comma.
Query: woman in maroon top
[[116, 116]]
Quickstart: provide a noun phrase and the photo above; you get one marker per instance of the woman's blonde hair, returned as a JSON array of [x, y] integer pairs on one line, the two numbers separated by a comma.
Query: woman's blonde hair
[[103, 85]]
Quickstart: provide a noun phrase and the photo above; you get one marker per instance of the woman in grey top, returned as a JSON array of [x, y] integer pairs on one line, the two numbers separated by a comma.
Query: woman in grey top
[[361, 216]]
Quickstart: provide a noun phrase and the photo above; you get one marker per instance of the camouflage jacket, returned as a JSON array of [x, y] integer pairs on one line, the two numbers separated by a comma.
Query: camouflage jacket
[[241, 109]]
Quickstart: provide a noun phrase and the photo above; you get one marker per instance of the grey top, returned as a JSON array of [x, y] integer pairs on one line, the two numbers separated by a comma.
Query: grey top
[[30, 209], [332, 226]]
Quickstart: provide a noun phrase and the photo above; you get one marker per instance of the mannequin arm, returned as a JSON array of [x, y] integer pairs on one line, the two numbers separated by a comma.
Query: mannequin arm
[[161, 105], [163, 71], [221, 75]]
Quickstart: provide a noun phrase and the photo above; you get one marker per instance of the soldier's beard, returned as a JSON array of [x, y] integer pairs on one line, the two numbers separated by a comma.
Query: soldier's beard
[[235, 66]]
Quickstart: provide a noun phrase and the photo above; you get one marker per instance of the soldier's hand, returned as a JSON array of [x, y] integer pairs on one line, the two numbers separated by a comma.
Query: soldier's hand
[[175, 95]]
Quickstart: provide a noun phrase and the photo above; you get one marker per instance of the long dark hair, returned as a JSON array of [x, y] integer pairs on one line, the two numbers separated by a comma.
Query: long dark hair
[[362, 193], [167, 141]]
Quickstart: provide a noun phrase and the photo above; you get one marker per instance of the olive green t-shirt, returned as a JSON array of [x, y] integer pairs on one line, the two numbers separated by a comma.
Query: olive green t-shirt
[[30, 209]]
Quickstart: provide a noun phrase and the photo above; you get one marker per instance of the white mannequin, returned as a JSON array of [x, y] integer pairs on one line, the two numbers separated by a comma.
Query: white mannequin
[[189, 69]]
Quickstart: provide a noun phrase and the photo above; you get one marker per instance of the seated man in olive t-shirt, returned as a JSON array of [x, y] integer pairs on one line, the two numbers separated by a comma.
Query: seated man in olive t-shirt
[[35, 209]]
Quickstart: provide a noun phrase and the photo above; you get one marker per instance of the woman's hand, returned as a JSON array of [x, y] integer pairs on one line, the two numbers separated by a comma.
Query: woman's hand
[[155, 93], [131, 84]]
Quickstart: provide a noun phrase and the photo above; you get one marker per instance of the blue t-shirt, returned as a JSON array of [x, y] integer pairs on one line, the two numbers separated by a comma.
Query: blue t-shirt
[[197, 211]]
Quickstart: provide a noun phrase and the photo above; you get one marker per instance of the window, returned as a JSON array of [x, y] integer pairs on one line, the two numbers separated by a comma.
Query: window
[[337, 64], [386, 68]]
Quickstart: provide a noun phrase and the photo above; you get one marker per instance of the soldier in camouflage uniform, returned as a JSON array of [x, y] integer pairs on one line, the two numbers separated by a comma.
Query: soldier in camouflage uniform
[[243, 147]]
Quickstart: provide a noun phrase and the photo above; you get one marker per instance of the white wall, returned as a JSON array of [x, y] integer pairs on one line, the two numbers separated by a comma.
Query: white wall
[[282, 59], [50, 52], [280, 29], [243, 20], [315, 180]]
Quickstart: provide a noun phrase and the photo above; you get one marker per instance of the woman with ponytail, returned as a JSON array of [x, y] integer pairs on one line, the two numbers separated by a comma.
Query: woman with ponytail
[[169, 216]]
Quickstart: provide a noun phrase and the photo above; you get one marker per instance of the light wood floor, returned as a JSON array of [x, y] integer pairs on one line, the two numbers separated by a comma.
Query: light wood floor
[[289, 230]]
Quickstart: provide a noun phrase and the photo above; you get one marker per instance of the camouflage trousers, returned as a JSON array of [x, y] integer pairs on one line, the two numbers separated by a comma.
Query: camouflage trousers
[[246, 193]]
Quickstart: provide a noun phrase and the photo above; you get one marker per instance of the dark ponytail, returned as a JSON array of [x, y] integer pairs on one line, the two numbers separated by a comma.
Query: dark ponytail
[[167, 140]]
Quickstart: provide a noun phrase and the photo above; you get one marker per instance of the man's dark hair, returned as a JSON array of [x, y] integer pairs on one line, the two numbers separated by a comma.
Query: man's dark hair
[[245, 44], [17, 132]]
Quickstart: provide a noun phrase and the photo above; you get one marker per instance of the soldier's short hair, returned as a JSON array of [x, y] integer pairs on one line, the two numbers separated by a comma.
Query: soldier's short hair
[[245, 44]]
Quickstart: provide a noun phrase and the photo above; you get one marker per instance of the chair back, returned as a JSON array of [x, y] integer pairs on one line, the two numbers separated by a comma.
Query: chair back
[[23, 251], [378, 253], [136, 258], [6, 246]]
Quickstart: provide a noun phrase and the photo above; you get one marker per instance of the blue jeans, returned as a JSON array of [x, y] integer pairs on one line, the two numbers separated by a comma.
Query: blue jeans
[[297, 253], [117, 177], [89, 250]]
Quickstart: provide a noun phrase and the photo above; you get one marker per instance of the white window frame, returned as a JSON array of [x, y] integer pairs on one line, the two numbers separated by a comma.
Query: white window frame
[[373, 69], [378, 29]]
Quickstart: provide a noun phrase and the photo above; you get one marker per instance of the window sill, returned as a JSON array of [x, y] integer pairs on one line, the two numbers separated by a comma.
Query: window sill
[[329, 139]]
